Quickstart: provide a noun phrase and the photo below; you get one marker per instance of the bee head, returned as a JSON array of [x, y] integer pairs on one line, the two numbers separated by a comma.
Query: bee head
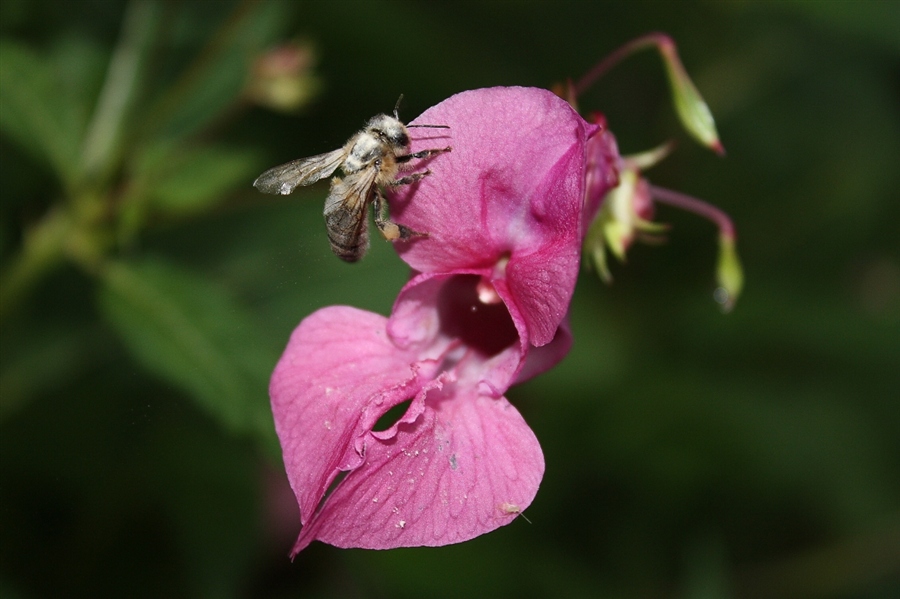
[[389, 129]]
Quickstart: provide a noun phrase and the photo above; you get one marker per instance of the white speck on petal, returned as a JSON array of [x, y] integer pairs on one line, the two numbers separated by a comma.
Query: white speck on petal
[[512, 508]]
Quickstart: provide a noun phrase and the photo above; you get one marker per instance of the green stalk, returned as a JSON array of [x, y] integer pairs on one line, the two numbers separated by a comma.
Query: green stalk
[[107, 125]]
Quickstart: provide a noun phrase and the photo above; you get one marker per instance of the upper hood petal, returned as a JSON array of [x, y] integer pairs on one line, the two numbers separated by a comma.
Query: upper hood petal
[[512, 188]]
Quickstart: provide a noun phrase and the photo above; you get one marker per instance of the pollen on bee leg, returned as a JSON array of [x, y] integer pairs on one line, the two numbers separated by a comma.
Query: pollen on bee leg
[[390, 230], [394, 232]]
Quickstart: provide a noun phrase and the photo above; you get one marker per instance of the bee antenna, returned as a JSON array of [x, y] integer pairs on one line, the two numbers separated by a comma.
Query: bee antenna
[[397, 107], [431, 126]]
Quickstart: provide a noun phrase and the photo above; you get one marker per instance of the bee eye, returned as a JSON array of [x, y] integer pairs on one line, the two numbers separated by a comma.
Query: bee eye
[[401, 140]]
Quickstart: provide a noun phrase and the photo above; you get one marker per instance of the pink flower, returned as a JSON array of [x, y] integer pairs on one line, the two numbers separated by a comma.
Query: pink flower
[[486, 309], [506, 203]]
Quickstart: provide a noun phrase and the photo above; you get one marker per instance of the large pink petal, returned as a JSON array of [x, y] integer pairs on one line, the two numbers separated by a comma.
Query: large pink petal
[[339, 373], [467, 465]]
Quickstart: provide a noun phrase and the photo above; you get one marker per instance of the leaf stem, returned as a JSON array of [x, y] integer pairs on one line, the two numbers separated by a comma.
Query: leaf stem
[[104, 132]]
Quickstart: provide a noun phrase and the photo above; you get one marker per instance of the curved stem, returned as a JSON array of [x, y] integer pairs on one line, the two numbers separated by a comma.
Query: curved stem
[[660, 40], [698, 207]]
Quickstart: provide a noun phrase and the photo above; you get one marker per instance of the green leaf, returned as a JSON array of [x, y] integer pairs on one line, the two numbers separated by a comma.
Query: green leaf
[[34, 111], [189, 332], [79, 64]]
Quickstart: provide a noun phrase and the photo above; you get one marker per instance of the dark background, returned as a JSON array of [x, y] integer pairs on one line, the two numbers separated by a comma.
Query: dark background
[[689, 454]]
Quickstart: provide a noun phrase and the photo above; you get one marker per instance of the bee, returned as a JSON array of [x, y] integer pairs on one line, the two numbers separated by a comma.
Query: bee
[[370, 161]]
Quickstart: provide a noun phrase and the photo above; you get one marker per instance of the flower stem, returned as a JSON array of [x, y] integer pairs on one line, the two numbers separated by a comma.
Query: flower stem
[[660, 40], [698, 207]]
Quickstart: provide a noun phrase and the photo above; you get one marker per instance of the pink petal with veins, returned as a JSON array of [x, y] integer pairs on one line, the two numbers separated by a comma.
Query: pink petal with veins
[[447, 477]]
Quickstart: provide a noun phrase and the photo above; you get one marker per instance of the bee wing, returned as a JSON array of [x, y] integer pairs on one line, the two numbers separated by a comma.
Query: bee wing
[[346, 217], [283, 179]]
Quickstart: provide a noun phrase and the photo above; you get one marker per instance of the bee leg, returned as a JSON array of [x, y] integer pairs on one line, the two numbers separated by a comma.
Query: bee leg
[[422, 154], [410, 178], [389, 229]]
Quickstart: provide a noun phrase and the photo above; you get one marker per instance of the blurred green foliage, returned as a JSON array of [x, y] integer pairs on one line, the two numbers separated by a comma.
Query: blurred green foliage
[[147, 291]]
